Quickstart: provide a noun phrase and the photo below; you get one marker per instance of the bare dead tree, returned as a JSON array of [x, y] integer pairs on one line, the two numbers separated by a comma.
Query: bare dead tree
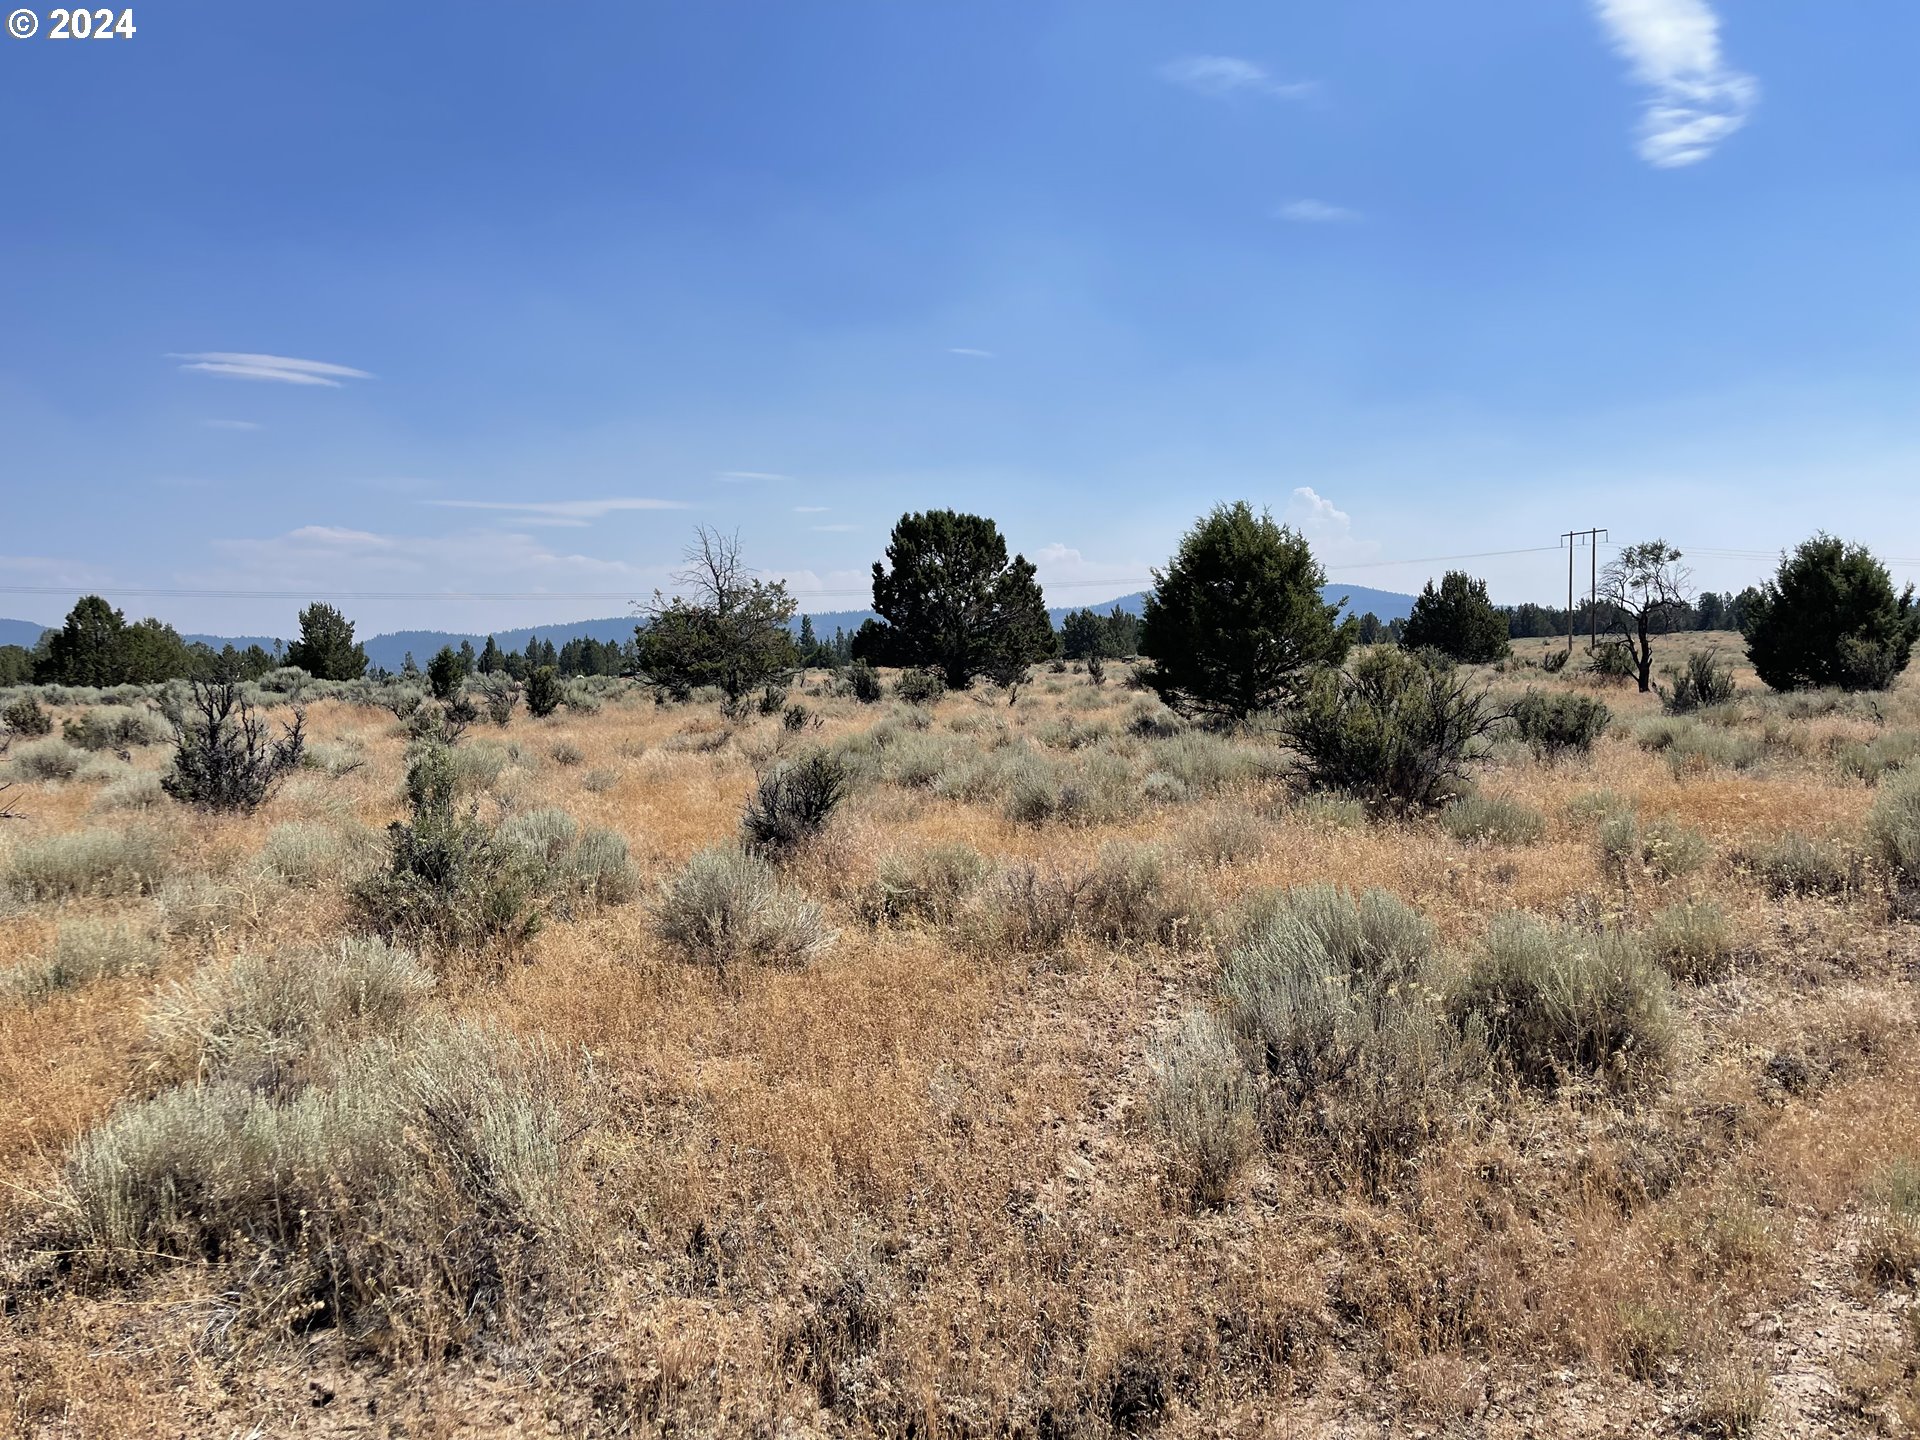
[[1645, 589], [727, 628], [7, 812]]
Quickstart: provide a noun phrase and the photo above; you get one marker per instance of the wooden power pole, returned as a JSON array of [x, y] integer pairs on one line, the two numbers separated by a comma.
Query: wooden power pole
[[1592, 539]]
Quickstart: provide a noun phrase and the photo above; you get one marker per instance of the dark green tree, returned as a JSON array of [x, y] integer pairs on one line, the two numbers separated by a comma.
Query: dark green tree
[[1830, 616], [1235, 622], [16, 665], [490, 660], [325, 649], [152, 651], [1123, 633], [444, 673], [543, 690], [1371, 631], [1458, 620], [952, 600], [1083, 636], [89, 648], [726, 630]]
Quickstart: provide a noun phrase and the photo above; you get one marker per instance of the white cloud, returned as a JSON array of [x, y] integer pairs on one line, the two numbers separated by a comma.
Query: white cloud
[[736, 476], [970, 352], [1316, 212], [571, 513], [811, 509], [1327, 527], [490, 579], [1696, 99], [1217, 76], [243, 366], [836, 590], [1069, 577], [38, 570], [230, 424]]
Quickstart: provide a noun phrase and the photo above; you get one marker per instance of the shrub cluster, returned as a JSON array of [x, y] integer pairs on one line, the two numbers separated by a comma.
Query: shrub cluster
[[22, 715], [728, 908], [1703, 681], [1557, 723], [449, 881], [929, 886], [118, 728], [1337, 1029], [83, 950], [1397, 731], [792, 804], [413, 1180], [1793, 864], [224, 758], [87, 862], [1662, 848], [1893, 830], [1331, 1002], [46, 760], [863, 682], [1493, 819], [921, 686], [1559, 1002]]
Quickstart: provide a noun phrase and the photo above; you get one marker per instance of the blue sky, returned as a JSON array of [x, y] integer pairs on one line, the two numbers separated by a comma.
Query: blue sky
[[505, 299]]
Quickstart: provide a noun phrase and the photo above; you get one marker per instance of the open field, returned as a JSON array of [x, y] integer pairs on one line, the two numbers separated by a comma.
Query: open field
[[906, 1164]]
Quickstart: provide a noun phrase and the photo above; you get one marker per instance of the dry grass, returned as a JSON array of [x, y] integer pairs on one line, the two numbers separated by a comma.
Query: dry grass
[[1051, 1088]]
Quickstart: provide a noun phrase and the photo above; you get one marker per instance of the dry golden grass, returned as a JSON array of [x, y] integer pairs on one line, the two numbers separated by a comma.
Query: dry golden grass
[[914, 1187]]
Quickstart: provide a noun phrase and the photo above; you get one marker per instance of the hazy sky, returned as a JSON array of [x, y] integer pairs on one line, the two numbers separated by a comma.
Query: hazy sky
[[506, 298]]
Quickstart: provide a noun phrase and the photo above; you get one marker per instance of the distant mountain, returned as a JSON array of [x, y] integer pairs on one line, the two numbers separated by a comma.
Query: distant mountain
[[239, 642], [390, 651], [22, 632], [1386, 604]]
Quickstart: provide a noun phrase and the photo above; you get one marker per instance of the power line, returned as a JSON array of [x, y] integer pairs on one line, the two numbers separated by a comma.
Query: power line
[[209, 593], [185, 593]]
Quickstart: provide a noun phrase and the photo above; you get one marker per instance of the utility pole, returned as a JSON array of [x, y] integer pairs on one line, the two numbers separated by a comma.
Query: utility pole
[[1591, 538]]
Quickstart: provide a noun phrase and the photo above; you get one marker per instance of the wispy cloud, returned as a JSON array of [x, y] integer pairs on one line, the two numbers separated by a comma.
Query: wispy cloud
[[1328, 526], [230, 424], [970, 352], [563, 513], [1218, 76], [811, 509], [1316, 212], [736, 477], [1063, 569], [288, 371], [1695, 98]]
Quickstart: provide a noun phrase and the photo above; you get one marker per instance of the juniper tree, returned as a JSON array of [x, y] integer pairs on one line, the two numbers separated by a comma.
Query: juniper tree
[[1236, 620], [950, 598], [1830, 616]]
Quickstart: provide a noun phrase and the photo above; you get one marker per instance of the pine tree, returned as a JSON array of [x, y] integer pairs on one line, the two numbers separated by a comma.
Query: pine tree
[[89, 648], [325, 649]]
